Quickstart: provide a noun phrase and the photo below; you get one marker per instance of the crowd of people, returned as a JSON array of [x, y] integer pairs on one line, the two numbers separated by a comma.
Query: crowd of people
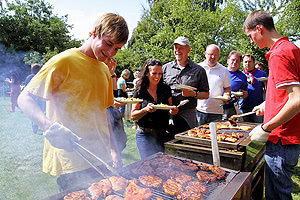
[[79, 86]]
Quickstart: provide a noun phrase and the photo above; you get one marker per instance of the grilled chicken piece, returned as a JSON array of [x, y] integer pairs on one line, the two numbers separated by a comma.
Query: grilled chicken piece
[[165, 173], [188, 167], [135, 192], [78, 195], [182, 178], [203, 166], [164, 160], [101, 189], [119, 184], [158, 198], [196, 186], [206, 176], [113, 197], [220, 173], [171, 187], [142, 170], [151, 181], [187, 195]]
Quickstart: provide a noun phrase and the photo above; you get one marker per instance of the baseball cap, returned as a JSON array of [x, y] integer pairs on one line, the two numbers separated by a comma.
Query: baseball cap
[[182, 41]]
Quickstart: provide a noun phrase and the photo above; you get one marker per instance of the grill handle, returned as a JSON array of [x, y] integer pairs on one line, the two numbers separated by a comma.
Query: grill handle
[[214, 144]]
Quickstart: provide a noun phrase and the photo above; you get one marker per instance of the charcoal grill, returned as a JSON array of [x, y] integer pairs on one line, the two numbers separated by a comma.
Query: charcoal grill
[[232, 186]]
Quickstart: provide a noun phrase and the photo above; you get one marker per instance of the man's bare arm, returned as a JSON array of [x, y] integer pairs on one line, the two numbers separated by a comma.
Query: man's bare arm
[[32, 110]]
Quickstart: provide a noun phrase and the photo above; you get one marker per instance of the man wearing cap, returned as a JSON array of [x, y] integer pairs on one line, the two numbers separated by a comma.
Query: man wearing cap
[[184, 71], [211, 109]]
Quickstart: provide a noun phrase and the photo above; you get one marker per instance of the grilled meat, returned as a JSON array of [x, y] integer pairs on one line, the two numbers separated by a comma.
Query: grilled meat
[[206, 176], [151, 181], [182, 178], [187, 195], [171, 187], [196, 186], [220, 173], [119, 184], [165, 173], [78, 195], [163, 160], [142, 170], [102, 189], [133, 191], [188, 167], [203, 166], [113, 197]]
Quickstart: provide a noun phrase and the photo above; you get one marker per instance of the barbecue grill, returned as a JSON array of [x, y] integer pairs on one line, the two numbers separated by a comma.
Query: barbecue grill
[[244, 155], [235, 184]]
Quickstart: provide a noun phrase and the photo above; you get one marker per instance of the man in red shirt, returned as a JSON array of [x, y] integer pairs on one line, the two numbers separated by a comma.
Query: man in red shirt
[[282, 106]]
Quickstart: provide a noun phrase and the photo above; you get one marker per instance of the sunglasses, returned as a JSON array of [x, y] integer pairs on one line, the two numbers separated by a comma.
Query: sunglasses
[[154, 62]]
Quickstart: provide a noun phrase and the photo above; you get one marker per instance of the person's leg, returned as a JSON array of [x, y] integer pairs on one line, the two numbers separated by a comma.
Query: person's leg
[[214, 117], [146, 144], [280, 164], [202, 117]]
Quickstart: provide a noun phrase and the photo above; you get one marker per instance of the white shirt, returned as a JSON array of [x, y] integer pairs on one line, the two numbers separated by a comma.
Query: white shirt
[[218, 79]]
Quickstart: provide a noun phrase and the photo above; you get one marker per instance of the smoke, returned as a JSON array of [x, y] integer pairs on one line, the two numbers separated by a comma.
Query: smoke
[[10, 60]]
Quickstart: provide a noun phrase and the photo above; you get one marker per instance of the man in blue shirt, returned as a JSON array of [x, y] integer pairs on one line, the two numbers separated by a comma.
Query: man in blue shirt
[[238, 82], [255, 89]]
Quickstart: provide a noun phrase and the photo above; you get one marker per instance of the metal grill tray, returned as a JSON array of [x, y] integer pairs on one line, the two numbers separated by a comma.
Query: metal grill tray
[[243, 141], [213, 188]]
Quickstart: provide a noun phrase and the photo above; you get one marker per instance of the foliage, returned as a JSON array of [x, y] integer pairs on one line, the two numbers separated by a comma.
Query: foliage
[[167, 19], [33, 32]]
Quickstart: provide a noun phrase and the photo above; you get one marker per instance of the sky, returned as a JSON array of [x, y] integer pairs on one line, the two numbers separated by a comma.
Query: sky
[[83, 13]]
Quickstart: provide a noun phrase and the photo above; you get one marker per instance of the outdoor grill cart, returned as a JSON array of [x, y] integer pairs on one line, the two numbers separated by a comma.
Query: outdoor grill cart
[[231, 185], [242, 155]]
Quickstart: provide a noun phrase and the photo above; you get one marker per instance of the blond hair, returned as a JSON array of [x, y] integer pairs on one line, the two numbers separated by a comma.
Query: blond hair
[[113, 25]]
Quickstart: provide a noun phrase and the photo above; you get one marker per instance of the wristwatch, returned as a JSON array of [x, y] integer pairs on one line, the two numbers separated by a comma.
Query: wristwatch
[[196, 93]]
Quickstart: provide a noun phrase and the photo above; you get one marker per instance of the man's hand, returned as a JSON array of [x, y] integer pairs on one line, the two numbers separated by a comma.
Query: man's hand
[[111, 64], [260, 109], [187, 93], [259, 135], [61, 137]]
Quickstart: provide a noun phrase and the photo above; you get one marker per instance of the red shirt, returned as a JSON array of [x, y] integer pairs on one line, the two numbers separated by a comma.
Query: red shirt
[[284, 69]]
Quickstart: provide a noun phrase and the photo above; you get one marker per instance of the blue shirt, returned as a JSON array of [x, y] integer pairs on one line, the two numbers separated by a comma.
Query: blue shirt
[[238, 80], [255, 92]]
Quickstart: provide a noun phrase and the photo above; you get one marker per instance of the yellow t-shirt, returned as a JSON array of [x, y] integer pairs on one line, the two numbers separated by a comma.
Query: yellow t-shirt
[[78, 90]]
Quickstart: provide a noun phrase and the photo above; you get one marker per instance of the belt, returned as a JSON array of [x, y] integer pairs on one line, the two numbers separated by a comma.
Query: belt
[[152, 130]]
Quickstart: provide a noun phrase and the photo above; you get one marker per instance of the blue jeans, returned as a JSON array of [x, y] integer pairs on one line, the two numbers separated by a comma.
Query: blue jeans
[[148, 144], [204, 118], [280, 165], [122, 110]]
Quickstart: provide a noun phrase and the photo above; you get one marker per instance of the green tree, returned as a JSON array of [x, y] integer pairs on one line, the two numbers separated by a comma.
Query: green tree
[[31, 25]]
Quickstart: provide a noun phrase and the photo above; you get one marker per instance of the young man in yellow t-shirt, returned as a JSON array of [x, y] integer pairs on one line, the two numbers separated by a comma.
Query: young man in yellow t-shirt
[[77, 86]]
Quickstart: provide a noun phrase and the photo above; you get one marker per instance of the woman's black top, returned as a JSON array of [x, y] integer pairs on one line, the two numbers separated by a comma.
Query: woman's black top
[[160, 118]]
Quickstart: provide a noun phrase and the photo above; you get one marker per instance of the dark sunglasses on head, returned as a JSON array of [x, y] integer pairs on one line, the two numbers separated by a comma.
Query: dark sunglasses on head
[[154, 62]]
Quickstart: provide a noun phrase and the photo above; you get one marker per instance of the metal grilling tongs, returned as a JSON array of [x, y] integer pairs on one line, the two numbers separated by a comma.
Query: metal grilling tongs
[[111, 169]]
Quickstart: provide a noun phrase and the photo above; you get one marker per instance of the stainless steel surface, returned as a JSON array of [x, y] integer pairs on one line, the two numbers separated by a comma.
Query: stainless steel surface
[[214, 144], [112, 170], [242, 115]]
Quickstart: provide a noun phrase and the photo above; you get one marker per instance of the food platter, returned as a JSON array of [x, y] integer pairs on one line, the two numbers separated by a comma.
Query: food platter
[[223, 98], [238, 94], [162, 107], [130, 100], [262, 78], [187, 87]]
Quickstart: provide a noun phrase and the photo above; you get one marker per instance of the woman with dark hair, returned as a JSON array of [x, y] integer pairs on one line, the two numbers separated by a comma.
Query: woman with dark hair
[[151, 133]]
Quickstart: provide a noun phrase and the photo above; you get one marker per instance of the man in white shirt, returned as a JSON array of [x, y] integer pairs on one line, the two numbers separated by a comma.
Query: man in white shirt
[[211, 109]]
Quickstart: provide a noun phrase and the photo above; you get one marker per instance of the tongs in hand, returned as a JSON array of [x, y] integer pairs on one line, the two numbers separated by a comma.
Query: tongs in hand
[[111, 169], [234, 117]]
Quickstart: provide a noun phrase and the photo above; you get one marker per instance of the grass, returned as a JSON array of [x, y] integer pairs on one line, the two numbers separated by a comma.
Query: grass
[[21, 175]]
